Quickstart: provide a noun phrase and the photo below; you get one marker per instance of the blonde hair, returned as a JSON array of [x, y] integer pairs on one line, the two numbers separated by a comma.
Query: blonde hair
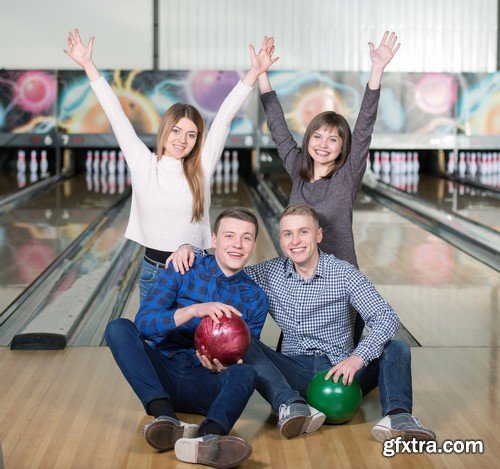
[[191, 163], [301, 209]]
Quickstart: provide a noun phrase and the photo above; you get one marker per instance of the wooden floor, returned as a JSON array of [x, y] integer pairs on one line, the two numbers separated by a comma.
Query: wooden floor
[[72, 408]]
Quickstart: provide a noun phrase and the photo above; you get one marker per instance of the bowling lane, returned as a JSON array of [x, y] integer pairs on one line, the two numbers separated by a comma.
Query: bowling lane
[[478, 205], [443, 296], [38, 230]]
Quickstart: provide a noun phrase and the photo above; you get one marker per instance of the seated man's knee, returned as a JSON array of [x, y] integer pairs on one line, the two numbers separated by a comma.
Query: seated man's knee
[[243, 373], [117, 329], [398, 348]]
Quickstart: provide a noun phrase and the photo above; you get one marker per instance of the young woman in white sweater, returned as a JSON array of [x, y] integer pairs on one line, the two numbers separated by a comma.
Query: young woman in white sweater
[[170, 189]]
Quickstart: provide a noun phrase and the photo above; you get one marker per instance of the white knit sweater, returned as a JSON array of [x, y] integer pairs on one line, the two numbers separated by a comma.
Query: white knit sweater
[[160, 216]]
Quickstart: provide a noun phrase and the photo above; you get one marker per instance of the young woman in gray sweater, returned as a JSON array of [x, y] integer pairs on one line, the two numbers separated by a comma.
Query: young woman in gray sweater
[[327, 172]]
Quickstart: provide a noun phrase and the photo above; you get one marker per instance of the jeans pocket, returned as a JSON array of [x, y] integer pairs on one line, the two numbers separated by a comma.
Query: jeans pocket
[[147, 278]]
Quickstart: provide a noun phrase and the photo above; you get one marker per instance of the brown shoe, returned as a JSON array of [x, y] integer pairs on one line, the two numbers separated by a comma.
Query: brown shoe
[[213, 450], [163, 432]]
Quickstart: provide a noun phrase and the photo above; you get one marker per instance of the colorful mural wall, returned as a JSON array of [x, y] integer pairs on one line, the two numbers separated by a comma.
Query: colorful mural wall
[[410, 103]]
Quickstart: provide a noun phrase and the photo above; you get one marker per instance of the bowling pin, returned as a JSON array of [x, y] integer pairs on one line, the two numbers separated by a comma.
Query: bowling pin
[[376, 163], [44, 164], [96, 161], [385, 164], [234, 162], [218, 177], [473, 165], [88, 162], [21, 161], [121, 163], [462, 166], [450, 167], [104, 162], [33, 163], [112, 162], [227, 164]]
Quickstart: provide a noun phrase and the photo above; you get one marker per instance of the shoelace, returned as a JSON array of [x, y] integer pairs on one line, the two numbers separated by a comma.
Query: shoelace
[[284, 411]]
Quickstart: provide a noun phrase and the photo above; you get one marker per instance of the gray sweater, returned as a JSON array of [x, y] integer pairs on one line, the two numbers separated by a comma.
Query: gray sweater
[[332, 198]]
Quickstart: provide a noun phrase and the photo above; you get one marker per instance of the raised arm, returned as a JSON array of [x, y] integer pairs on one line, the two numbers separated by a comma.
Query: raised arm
[[286, 145], [381, 56], [130, 144], [221, 125], [362, 134]]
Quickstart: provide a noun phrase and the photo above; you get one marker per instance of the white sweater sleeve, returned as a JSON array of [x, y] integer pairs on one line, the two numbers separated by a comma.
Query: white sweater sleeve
[[131, 145], [219, 130]]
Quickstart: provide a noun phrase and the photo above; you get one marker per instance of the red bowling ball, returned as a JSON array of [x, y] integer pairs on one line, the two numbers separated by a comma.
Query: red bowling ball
[[227, 341]]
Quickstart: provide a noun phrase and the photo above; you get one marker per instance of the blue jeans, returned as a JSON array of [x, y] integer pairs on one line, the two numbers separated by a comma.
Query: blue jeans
[[282, 379], [190, 387], [149, 274]]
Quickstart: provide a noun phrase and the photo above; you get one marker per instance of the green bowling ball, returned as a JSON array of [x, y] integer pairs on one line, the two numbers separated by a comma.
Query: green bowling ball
[[338, 402]]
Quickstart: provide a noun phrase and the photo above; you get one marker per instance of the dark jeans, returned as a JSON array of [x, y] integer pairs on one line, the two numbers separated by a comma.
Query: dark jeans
[[147, 278], [190, 387], [282, 379]]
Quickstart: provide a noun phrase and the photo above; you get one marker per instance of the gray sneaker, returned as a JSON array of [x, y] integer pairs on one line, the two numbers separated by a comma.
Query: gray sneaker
[[299, 418], [404, 425], [163, 432], [213, 450]]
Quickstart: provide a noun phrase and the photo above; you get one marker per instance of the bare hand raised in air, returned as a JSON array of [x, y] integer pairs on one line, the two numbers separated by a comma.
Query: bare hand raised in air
[[264, 59], [386, 50], [79, 52]]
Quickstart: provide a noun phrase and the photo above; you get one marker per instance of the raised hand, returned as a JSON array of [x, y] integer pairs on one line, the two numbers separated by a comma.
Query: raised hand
[[264, 59], [386, 50], [79, 52]]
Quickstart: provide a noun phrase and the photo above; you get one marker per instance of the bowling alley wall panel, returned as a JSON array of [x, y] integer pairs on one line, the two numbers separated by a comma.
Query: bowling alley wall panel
[[410, 103], [427, 105], [27, 101], [146, 96]]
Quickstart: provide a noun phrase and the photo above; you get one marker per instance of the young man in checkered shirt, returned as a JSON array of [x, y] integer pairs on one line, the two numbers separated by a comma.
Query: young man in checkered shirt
[[311, 295]]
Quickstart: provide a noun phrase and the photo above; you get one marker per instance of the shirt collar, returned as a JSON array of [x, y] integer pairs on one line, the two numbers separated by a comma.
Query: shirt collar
[[216, 271], [320, 268]]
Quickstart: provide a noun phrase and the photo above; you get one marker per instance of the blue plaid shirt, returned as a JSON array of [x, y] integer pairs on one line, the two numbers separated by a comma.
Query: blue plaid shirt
[[315, 314], [205, 282]]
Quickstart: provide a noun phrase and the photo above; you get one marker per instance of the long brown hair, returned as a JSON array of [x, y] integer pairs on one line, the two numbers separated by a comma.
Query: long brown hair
[[330, 120], [191, 163]]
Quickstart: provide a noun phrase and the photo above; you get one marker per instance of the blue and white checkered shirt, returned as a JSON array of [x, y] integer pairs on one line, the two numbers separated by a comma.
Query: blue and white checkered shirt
[[315, 314], [205, 282]]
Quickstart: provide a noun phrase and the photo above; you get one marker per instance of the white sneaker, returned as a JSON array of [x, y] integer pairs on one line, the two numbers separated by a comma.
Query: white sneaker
[[404, 425], [213, 450], [298, 418]]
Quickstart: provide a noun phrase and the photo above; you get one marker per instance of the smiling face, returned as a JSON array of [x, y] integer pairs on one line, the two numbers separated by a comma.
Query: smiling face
[[299, 238], [325, 146], [181, 139], [234, 243]]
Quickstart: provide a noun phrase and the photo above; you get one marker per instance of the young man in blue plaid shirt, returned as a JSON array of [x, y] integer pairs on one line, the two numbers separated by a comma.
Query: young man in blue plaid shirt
[[156, 353], [311, 295]]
